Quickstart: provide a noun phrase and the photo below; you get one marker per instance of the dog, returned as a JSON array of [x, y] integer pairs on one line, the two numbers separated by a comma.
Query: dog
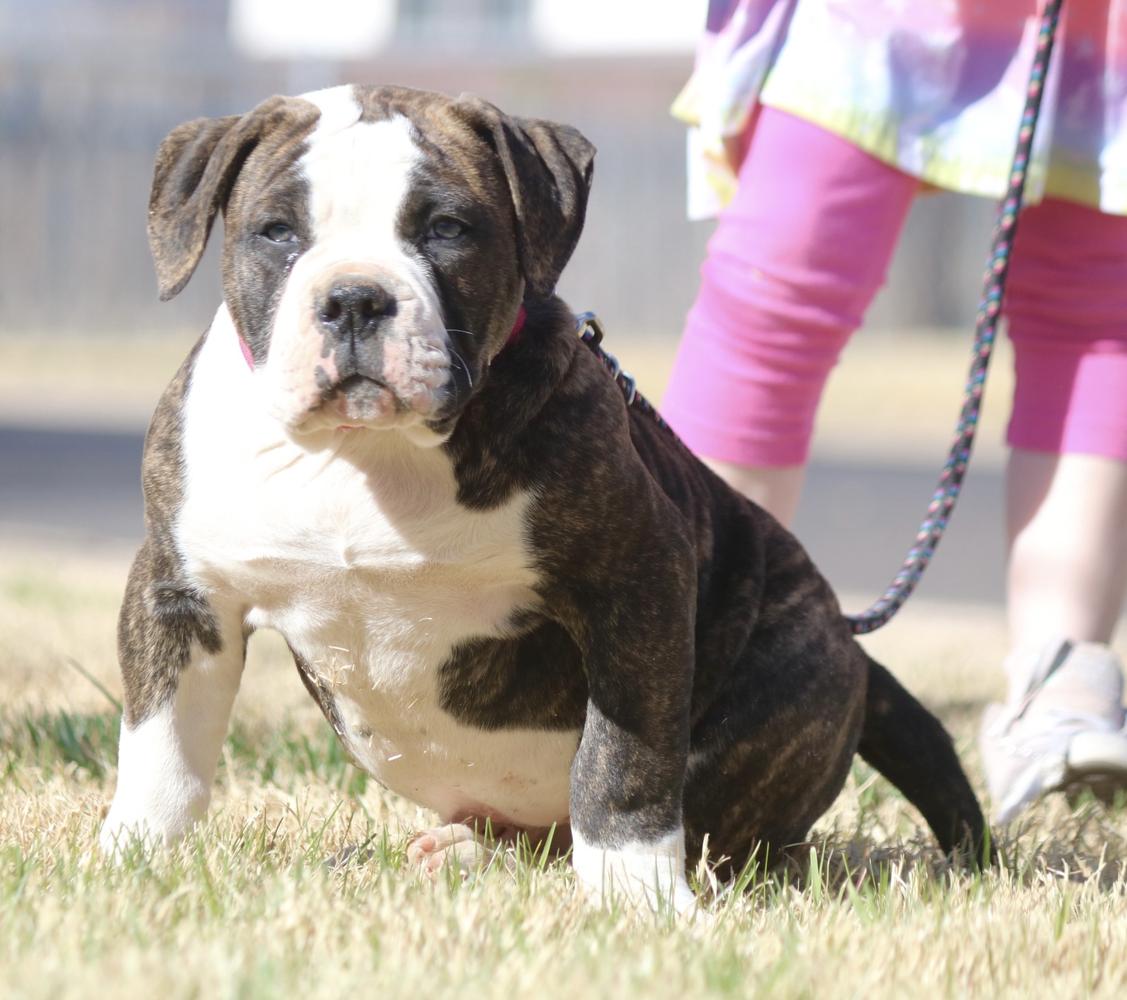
[[518, 600]]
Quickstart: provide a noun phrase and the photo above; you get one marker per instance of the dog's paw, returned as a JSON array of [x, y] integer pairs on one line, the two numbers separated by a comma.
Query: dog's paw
[[645, 895], [119, 839], [454, 844], [647, 876]]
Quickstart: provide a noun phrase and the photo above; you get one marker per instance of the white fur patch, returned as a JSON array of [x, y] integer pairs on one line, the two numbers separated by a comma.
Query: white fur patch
[[338, 108], [359, 176], [166, 764], [651, 873], [352, 545]]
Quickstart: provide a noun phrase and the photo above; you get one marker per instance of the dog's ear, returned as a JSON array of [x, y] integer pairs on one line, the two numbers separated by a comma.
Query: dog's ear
[[548, 168], [195, 169]]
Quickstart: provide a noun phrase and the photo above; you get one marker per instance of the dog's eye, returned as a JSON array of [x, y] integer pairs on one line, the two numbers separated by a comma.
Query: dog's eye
[[279, 232], [446, 227]]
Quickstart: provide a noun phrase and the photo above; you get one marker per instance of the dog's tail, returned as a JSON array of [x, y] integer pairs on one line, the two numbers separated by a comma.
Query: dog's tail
[[910, 747]]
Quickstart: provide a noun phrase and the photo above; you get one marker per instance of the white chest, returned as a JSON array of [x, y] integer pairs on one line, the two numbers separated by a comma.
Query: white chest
[[335, 519], [358, 553]]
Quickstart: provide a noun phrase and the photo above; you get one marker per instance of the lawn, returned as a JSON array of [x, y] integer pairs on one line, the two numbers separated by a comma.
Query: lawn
[[245, 907]]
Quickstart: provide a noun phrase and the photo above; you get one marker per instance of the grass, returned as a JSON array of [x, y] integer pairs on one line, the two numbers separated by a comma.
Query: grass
[[245, 908]]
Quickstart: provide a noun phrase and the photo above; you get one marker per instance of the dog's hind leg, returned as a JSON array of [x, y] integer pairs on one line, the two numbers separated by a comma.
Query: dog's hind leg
[[910, 747], [455, 844], [474, 845]]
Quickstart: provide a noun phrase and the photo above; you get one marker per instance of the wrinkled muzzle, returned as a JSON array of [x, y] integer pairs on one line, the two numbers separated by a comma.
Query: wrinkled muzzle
[[357, 344]]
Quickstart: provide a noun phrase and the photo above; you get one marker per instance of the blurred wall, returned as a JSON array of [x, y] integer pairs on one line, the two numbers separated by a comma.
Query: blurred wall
[[88, 89]]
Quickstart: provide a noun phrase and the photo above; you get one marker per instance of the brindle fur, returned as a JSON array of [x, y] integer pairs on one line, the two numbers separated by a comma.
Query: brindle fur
[[678, 625], [163, 613], [641, 547]]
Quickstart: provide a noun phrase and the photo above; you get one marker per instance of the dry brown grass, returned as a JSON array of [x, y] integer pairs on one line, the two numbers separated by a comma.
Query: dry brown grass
[[245, 909]]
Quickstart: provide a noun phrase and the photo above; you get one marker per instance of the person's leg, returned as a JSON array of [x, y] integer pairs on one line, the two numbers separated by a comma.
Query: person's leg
[[1067, 525], [775, 488], [1067, 478], [1066, 510], [794, 263]]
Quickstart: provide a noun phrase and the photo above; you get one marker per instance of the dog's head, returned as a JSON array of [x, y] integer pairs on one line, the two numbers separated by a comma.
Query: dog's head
[[379, 243]]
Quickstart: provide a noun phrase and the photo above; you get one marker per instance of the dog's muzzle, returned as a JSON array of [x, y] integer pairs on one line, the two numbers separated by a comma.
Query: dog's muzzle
[[358, 346]]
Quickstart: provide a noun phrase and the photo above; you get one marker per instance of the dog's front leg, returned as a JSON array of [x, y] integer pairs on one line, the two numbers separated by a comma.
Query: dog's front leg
[[628, 774], [181, 661]]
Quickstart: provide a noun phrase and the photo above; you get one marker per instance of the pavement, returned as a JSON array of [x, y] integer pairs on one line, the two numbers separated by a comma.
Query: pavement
[[82, 488]]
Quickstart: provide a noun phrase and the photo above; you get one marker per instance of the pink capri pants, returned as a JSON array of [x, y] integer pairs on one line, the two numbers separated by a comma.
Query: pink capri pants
[[797, 258]]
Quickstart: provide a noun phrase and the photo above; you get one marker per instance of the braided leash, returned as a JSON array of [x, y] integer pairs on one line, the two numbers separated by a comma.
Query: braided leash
[[590, 331], [986, 326]]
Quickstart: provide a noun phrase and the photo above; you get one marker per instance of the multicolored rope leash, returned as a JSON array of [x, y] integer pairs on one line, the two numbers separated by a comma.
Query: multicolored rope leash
[[986, 326], [590, 331]]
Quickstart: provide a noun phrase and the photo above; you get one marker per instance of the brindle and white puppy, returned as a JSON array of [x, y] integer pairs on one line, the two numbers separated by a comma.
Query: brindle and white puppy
[[514, 598]]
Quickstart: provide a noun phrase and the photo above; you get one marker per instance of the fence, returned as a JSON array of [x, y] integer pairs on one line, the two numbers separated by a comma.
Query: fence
[[78, 133]]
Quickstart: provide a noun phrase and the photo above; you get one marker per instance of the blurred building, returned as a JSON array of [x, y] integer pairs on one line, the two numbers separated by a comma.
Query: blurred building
[[89, 87]]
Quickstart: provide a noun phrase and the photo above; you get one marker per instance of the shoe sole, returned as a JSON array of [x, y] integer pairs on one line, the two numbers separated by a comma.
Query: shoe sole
[[1097, 763]]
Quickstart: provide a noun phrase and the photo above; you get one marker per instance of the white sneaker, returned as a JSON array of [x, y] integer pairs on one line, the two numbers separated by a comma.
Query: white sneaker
[[1062, 729]]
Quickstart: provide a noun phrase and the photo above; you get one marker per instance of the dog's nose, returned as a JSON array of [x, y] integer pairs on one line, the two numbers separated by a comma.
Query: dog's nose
[[353, 310]]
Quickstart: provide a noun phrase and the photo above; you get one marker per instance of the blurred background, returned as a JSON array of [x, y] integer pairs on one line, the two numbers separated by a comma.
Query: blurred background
[[89, 87]]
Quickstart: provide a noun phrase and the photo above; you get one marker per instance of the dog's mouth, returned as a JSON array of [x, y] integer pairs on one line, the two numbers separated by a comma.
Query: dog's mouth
[[361, 400], [386, 396], [357, 385]]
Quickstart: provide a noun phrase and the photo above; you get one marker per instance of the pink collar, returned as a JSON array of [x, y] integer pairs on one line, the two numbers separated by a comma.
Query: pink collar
[[518, 325], [245, 348], [514, 336]]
